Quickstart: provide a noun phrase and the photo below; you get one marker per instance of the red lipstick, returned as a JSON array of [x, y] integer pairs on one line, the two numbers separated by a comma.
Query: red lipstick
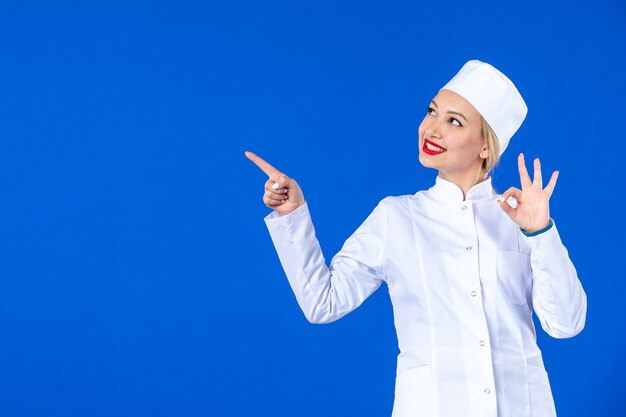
[[435, 149]]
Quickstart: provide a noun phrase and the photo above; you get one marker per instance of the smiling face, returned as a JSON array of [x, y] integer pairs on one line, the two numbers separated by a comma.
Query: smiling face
[[450, 138]]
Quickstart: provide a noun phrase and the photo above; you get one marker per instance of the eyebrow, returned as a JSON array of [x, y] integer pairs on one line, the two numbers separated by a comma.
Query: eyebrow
[[450, 111]]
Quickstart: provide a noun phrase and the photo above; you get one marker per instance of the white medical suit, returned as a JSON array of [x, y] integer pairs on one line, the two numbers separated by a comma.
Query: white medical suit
[[463, 280]]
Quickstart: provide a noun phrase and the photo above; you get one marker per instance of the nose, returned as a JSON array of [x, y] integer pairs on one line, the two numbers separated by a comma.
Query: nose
[[433, 130]]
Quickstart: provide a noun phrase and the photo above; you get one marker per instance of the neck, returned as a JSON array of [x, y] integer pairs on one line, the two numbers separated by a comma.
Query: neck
[[463, 181]]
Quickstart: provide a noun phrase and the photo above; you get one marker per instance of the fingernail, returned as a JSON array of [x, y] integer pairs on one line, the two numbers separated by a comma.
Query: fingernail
[[276, 186]]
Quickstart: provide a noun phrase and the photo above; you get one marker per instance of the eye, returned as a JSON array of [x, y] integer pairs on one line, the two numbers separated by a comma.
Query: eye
[[455, 122], [431, 111]]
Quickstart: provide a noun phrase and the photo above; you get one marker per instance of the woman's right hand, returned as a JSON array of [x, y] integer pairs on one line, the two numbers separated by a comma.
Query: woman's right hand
[[282, 193]]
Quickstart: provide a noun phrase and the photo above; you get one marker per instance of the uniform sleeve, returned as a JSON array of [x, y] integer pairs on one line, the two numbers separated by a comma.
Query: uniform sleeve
[[557, 294], [327, 293]]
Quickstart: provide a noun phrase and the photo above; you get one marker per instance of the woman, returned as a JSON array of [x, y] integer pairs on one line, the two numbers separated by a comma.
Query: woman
[[464, 267]]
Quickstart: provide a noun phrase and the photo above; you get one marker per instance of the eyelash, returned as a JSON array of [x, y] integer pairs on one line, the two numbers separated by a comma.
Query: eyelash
[[452, 119], [456, 120]]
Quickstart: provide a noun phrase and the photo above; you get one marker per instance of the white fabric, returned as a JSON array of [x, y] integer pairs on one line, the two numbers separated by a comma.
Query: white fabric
[[462, 279], [493, 95]]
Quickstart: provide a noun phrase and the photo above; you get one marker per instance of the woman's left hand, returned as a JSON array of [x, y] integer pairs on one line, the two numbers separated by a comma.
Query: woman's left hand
[[533, 210]]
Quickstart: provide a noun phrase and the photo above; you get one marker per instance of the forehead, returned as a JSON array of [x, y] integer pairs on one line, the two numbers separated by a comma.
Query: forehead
[[450, 101]]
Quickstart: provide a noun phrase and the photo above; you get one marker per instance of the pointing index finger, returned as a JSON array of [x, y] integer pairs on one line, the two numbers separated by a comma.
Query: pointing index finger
[[261, 163]]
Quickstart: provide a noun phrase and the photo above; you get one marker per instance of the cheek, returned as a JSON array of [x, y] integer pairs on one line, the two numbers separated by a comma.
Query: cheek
[[465, 143]]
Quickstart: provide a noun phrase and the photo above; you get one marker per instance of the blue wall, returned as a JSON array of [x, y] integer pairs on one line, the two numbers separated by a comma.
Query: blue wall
[[137, 277]]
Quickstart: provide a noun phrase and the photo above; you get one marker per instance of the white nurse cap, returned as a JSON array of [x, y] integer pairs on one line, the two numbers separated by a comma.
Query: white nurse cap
[[493, 95]]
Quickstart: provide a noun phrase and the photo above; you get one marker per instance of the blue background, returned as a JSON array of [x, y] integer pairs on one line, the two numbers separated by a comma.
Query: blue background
[[137, 277]]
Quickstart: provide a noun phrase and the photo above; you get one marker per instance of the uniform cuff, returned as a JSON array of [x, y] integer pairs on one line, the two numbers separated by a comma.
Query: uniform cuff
[[538, 232], [276, 217]]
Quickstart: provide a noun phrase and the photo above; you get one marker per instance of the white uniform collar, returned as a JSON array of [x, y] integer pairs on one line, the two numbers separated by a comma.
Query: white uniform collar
[[446, 190]]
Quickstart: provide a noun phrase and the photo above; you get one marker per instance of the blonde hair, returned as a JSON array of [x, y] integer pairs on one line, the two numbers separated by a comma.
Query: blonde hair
[[493, 147]]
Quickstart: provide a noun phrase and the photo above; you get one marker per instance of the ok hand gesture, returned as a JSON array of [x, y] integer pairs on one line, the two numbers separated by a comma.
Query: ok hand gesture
[[282, 193], [533, 211]]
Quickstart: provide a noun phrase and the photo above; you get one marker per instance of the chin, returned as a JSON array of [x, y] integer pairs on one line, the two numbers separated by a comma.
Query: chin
[[426, 161]]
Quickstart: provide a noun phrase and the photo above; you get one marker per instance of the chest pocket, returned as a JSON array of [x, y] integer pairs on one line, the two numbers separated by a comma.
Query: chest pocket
[[514, 276]]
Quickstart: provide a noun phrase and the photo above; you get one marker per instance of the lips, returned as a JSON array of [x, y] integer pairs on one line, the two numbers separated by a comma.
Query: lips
[[432, 148]]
